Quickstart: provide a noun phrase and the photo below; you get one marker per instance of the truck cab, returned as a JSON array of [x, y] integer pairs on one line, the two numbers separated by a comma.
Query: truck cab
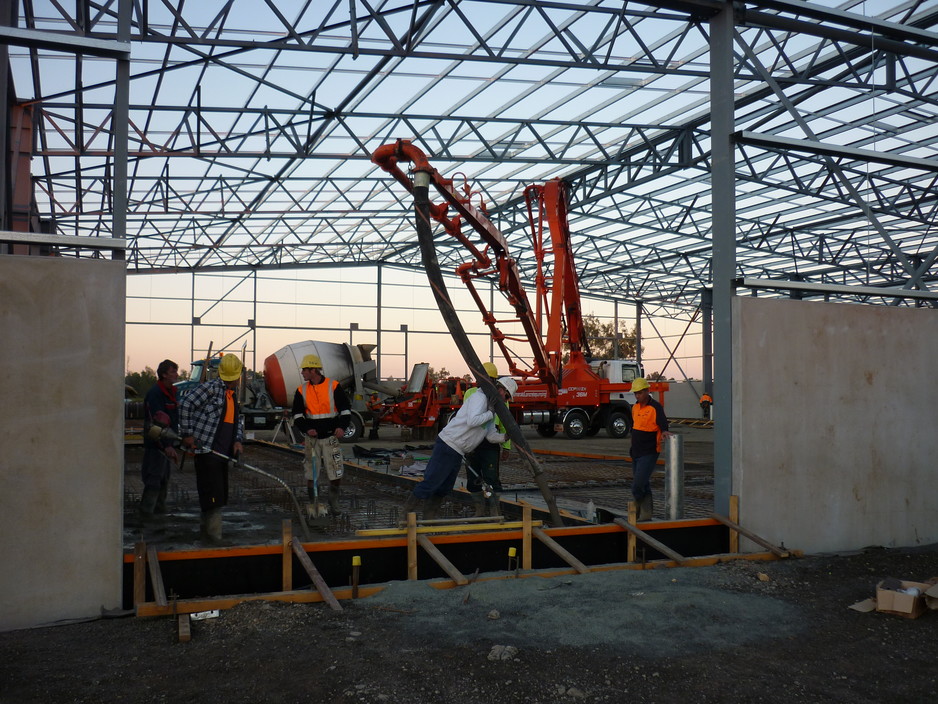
[[617, 371]]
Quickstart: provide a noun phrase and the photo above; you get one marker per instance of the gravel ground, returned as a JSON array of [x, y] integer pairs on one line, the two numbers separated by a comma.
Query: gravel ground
[[742, 631]]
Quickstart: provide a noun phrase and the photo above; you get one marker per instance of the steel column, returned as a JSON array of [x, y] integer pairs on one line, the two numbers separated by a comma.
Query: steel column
[[723, 180]]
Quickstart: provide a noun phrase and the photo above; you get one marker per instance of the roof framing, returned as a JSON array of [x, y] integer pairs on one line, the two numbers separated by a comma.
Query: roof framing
[[250, 127]]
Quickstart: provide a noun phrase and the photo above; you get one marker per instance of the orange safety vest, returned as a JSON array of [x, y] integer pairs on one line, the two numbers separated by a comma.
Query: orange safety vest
[[706, 399], [319, 403], [645, 418]]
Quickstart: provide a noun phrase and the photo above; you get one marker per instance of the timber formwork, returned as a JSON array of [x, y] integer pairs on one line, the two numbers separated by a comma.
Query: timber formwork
[[448, 552]]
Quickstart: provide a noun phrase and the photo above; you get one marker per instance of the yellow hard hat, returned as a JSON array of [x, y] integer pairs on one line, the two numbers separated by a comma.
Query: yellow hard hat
[[490, 369], [639, 384], [311, 361], [229, 368]]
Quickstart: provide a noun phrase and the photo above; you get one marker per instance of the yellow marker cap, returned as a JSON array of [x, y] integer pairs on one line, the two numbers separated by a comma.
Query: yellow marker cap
[[356, 561], [512, 552]]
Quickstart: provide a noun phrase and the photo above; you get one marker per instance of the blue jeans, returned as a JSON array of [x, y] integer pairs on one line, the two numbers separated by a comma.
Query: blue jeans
[[440, 476], [642, 468], [155, 468], [484, 461]]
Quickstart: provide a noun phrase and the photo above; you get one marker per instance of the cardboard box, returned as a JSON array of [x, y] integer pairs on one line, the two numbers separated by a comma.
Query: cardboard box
[[893, 597], [931, 596]]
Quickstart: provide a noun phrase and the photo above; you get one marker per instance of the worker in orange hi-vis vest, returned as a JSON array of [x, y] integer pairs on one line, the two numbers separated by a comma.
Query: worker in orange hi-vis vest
[[649, 427], [705, 402], [321, 411]]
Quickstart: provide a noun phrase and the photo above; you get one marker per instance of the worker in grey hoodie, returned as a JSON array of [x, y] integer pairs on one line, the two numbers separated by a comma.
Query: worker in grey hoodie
[[473, 423]]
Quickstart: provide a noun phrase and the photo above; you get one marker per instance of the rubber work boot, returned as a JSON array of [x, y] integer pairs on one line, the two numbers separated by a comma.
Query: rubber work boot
[[412, 504], [148, 518], [334, 500], [148, 502], [212, 529], [432, 507], [160, 507], [478, 501], [646, 508], [494, 503], [373, 435]]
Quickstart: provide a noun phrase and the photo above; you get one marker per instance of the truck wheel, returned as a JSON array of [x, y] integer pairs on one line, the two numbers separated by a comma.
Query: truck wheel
[[354, 429], [546, 430], [618, 424], [575, 424]]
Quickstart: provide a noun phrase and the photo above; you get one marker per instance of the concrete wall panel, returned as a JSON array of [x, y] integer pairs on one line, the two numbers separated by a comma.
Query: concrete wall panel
[[682, 400], [62, 329], [834, 423]]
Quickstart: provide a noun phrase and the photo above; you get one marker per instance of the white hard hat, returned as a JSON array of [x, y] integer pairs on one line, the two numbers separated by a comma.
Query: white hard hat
[[509, 384]]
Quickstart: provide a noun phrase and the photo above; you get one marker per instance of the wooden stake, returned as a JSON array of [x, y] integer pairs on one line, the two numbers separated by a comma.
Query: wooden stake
[[183, 628], [632, 552], [734, 517], [526, 552], [412, 546], [356, 568], [286, 569], [140, 573]]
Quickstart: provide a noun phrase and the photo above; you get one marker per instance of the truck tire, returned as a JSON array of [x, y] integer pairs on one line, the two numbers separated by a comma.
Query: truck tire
[[354, 429], [546, 430], [575, 424], [618, 424]]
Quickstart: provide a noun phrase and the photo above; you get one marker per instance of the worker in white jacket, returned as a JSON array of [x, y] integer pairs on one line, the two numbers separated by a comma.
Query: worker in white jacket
[[473, 423]]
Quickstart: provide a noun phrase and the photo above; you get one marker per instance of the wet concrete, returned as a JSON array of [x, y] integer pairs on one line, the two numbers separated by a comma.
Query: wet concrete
[[583, 475]]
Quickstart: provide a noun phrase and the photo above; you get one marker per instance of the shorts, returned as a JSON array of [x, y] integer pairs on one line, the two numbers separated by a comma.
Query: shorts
[[326, 454]]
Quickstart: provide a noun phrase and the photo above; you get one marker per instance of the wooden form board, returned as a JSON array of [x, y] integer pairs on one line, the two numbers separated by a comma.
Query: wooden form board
[[416, 537], [146, 562]]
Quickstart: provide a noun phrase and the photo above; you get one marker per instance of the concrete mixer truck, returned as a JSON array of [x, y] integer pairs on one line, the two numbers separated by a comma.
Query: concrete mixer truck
[[265, 401]]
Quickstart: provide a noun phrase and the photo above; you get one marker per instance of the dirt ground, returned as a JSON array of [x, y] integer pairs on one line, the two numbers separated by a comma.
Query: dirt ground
[[741, 631], [706, 634]]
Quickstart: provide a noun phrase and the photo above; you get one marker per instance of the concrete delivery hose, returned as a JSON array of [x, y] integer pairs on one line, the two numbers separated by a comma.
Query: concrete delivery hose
[[299, 512], [432, 266]]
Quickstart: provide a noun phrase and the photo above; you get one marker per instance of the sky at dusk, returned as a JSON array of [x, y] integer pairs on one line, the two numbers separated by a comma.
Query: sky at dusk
[[292, 306]]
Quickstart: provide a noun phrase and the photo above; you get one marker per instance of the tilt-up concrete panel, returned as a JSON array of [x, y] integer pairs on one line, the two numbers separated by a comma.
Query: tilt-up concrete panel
[[834, 423], [61, 465]]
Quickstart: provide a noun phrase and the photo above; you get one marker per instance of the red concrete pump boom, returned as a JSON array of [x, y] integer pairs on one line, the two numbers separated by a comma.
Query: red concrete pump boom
[[557, 283], [578, 397], [499, 264]]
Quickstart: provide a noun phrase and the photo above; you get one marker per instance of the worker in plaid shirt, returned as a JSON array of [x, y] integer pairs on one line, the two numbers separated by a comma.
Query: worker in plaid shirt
[[210, 422]]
